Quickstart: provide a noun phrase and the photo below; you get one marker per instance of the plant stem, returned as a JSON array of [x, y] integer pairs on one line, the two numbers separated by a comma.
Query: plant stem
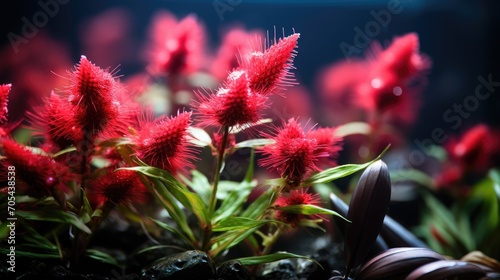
[[271, 241], [207, 230], [220, 160]]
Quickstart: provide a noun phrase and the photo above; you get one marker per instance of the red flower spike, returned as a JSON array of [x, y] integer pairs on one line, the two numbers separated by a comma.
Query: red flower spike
[[117, 187], [164, 144], [56, 122], [295, 197], [4, 98], [403, 58], [40, 173], [92, 93], [234, 104], [476, 149], [271, 68], [329, 145], [176, 47], [293, 155]]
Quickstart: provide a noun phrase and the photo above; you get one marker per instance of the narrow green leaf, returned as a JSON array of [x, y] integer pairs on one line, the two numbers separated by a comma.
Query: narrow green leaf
[[21, 253], [254, 143], [271, 258], [238, 128], [413, 175], [64, 151], [234, 201], [276, 182], [51, 215], [188, 199], [240, 223], [199, 137], [200, 184], [308, 209], [35, 238], [171, 229], [102, 256], [353, 128], [258, 207], [338, 172]]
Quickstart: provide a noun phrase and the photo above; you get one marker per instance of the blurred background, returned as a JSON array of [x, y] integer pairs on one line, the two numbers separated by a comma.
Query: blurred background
[[461, 37]]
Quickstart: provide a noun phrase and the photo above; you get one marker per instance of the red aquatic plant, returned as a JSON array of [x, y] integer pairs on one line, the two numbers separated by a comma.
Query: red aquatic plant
[[295, 197], [389, 84], [40, 175], [164, 144], [233, 104], [269, 69], [293, 154], [176, 46], [117, 187], [328, 143], [4, 98]]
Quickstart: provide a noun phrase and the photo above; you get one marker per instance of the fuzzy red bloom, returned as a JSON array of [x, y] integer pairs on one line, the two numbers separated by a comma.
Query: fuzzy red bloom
[[390, 84], [39, 173], [164, 144], [118, 187], [231, 141], [477, 149], [4, 98], [294, 197], [269, 69], [236, 45], [329, 145], [176, 47], [92, 94], [55, 120], [234, 104], [293, 154]]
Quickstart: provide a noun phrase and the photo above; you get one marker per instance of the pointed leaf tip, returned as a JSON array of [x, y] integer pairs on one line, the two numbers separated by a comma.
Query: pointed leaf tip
[[366, 212]]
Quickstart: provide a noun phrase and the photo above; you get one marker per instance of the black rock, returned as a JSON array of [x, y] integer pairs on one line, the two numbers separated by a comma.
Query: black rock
[[233, 270], [188, 265], [279, 270]]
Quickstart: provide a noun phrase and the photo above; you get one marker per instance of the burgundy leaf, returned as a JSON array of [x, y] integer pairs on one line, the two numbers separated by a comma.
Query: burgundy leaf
[[447, 269]]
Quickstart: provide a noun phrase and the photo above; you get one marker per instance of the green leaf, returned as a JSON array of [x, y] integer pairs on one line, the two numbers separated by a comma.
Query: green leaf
[[240, 223], [171, 229], [199, 137], [308, 209], [37, 239], [238, 128], [253, 143], [200, 185], [413, 175], [352, 129], [276, 182], [58, 216], [64, 151], [338, 172], [257, 208], [102, 256], [21, 253], [188, 199], [233, 203], [271, 258]]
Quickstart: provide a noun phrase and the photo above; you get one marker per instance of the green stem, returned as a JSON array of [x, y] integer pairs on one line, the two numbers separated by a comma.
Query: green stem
[[271, 240], [220, 160], [207, 231]]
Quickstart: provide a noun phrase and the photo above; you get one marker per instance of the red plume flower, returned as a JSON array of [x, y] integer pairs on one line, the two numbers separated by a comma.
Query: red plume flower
[[234, 104], [39, 173], [92, 94], [117, 187], [328, 144], [294, 197], [176, 47], [390, 83], [293, 154], [55, 120], [164, 144], [266, 70], [4, 98]]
